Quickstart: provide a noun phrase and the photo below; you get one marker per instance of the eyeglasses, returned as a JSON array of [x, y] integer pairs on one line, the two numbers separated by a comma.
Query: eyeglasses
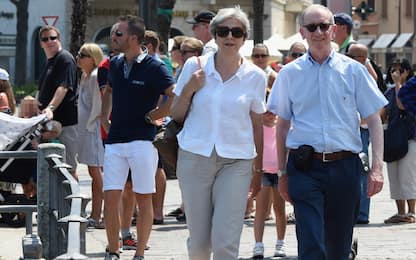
[[259, 56], [355, 56], [83, 55], [118, 33], [296, 54], [236, 32], [184, 52], [52, 38], [322, 26]]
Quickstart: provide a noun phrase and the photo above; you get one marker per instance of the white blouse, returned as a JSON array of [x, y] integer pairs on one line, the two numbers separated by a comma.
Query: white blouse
[[219, 115]]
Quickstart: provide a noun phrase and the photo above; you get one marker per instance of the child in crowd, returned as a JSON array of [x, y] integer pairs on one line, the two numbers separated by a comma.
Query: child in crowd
[[7, 101], [270, 181]]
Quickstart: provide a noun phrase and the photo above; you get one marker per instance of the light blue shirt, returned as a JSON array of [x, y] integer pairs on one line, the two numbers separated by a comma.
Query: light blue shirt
[[324, 102]]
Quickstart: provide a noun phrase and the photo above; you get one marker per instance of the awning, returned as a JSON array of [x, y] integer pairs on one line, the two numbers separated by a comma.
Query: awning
[[383, 42], [366, 41], [400, 43]]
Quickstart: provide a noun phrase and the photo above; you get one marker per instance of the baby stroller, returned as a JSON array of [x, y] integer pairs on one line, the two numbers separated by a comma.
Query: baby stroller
[[16, 134]]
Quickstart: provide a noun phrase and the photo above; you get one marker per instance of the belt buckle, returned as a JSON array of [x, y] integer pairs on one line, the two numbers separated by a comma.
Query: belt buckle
[[324, 157]]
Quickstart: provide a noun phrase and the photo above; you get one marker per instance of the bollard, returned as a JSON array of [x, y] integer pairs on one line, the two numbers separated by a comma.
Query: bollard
[[32, 247], [47, 221]]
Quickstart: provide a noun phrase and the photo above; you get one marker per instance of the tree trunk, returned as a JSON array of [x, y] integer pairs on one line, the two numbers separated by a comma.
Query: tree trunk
[[164, 19], [79, 23], [21, 41], [258, 9]]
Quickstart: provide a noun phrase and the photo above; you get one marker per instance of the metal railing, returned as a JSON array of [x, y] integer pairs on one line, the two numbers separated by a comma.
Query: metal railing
[[61, 206]]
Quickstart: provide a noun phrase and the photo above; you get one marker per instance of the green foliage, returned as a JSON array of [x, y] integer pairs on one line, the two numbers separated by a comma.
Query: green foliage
[[25, 90]]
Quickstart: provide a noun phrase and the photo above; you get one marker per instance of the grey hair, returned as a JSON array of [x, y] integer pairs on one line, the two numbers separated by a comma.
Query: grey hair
[[315, 7], [232, 12]]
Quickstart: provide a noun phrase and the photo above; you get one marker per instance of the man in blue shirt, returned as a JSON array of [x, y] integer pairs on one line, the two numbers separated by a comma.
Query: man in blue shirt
[[136, 80], [318, 99]]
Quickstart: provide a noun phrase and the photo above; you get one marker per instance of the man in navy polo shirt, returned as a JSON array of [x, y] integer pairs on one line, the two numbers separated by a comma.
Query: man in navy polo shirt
[[136, 81]]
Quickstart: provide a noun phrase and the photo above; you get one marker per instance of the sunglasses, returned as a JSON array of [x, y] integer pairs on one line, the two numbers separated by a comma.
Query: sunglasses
[[175, 48], [118, 33], [322, 26], [259, 56], [401, 70], [236, 32], [83, 55], [354, 56], [296, 54], [52, 38], [184, 52]]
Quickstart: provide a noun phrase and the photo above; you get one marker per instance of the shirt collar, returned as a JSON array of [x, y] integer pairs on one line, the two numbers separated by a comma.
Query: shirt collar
[[328, 60], [210, 66], [139, 58]]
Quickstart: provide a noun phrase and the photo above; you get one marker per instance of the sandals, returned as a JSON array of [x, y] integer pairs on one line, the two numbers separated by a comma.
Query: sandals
[[395, 219]]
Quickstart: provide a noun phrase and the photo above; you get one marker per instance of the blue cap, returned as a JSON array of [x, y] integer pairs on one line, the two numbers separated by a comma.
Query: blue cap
[[343, 19]]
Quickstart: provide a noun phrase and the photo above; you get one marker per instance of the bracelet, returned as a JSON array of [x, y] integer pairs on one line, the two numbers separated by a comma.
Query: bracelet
[[280, 173], [51, 107]]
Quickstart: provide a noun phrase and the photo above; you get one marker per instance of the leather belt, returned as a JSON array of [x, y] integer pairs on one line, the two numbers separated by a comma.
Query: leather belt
[[329, 157]]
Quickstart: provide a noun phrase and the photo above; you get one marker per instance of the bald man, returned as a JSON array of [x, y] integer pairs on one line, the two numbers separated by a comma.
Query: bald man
[[359, 52]]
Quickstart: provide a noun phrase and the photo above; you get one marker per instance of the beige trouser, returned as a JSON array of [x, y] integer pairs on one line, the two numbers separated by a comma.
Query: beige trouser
[[214, 191]]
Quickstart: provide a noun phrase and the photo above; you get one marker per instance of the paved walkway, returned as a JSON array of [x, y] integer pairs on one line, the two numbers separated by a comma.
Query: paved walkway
[[168, 241]]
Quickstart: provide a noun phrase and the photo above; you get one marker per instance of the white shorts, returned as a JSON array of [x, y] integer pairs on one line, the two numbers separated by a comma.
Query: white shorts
[[140, 156]]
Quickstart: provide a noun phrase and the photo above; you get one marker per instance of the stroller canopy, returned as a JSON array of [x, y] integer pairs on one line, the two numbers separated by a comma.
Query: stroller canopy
[[12, 128]]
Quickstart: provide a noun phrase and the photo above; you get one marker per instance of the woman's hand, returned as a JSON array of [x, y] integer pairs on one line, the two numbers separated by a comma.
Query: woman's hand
[[196, 82]]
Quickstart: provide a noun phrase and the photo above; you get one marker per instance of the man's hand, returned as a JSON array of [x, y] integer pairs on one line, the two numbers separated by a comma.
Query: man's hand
[[375, 181], [106, 125], [49, 113], [283, 187]]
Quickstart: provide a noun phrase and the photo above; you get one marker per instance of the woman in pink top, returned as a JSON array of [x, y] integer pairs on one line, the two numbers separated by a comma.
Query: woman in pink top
[[270, 181]]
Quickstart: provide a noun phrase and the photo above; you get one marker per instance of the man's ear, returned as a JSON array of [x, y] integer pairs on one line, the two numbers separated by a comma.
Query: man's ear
[[302, 32]]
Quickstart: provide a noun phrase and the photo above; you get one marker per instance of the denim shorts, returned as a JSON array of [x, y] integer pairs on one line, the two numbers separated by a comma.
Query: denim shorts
[[270, 179]]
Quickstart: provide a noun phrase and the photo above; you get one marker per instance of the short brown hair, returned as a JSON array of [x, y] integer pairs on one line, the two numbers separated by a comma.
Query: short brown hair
[[49, 28]]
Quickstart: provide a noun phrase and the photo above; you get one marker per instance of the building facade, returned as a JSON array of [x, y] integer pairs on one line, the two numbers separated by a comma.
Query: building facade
[[280, 17]]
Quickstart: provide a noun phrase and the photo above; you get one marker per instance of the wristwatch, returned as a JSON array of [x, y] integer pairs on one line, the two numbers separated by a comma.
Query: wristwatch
[[148, 119], [280, 173], [51, 107]]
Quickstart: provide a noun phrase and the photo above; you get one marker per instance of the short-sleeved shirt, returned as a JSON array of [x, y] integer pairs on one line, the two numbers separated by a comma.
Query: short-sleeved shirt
[[322, 101], [102, 76], [219, 116], [136, 91], [60, 70]]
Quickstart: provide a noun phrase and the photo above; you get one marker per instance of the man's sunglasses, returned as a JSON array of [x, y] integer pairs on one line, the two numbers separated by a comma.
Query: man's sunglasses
[[52, 38], [322, 26], [296, 54], [236, 32], [259, 56], [118, 33], [83, 55]]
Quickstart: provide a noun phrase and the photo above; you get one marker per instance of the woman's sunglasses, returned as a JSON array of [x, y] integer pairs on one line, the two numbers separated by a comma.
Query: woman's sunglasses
[[236, 32], [83, 55]]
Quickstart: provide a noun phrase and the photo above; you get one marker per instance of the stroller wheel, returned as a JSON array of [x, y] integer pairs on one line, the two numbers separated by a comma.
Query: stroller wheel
[[13, 219]]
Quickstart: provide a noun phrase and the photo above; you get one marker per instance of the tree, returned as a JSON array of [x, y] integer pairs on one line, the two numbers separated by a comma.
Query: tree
[[164, 19], [79, 23], [163, 9], [22, 15], [258, 9]]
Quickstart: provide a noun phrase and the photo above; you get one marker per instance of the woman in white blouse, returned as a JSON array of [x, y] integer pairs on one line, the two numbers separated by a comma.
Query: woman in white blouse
[[90, 147], [220, 99]]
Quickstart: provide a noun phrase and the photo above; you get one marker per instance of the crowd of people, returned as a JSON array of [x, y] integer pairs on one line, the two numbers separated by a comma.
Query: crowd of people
[[253, 130]]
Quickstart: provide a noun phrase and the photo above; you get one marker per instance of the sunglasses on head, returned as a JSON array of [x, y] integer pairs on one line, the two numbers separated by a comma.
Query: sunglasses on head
[[118, 33], [322, 26], [52, 38], [83, 55], [236, 32], [296, 54], [259, 56]]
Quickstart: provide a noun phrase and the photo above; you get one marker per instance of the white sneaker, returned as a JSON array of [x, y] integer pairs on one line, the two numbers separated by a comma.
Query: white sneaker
[[280, 249], [258, 251]]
